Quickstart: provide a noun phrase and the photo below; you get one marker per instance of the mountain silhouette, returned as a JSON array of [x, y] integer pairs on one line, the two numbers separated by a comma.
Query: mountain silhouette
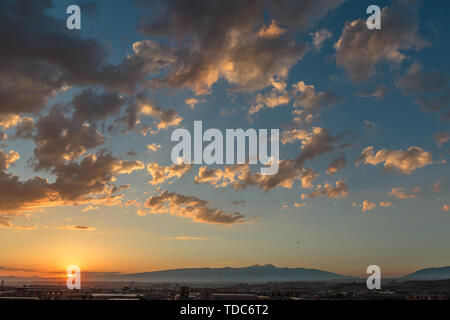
[[440, 273], [255, 273]]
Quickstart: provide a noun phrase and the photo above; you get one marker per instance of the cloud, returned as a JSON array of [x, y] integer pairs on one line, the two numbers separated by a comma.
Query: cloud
[[417, 81], [310, 100], [94, 174], [433, 104], [368, 206], [60, 139], [92, 107], [302, 14], [299, 205], [185, 238], [6, 159], [153, 147], [370, 127], [319, 37], [17, 196], [441, 138], [90, 208], [8, 225], [240, 176], [190, 207], [191, 102], [42, 46], [290, 136], [317, 142], [401, 193], [359, 49], [271, 100], [340, 190], [227, 112], [336, 164], [90, 181], [378, 93], [25, 128], [403, 161], [226, 39], [304, 97], [385, 204], [139, 107], [161, 173], [313, 144], [272, 31], [76, 228], [437, 186], [10, 120], [240, 202]]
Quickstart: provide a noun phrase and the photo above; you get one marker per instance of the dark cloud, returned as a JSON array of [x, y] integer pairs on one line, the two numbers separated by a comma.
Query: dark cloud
[[310, 100], [76, 228], [360, 49], [441, 138], [16, 195], [318, 142], [433, 104], [94, 174], [90, 106], [141, 106], [25, 128], [337, 164], [39, 58], [60, 139], [417, 80], [302, 14], [378, 93], [190, 207], [224, 39]]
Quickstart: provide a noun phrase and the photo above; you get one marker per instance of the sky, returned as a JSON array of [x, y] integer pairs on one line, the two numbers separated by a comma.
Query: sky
[[86, 118]]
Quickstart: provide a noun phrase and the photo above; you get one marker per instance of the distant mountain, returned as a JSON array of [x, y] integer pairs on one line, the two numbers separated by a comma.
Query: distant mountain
[[256, 273], [429, 274]]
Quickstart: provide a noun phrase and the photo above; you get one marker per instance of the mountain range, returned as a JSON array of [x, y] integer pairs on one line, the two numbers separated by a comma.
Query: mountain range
[[256, 273]]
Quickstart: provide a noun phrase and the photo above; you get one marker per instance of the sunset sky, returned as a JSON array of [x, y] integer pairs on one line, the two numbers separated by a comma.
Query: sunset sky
[[86, 116]]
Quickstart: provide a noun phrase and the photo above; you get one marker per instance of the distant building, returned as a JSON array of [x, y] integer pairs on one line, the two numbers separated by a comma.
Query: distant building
[[115, 296], [205, 294], [234, 296]]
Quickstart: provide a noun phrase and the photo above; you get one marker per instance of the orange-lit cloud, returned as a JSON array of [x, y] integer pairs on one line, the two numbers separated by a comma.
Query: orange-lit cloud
[[402, 193], [161, 173], [403, 161]]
